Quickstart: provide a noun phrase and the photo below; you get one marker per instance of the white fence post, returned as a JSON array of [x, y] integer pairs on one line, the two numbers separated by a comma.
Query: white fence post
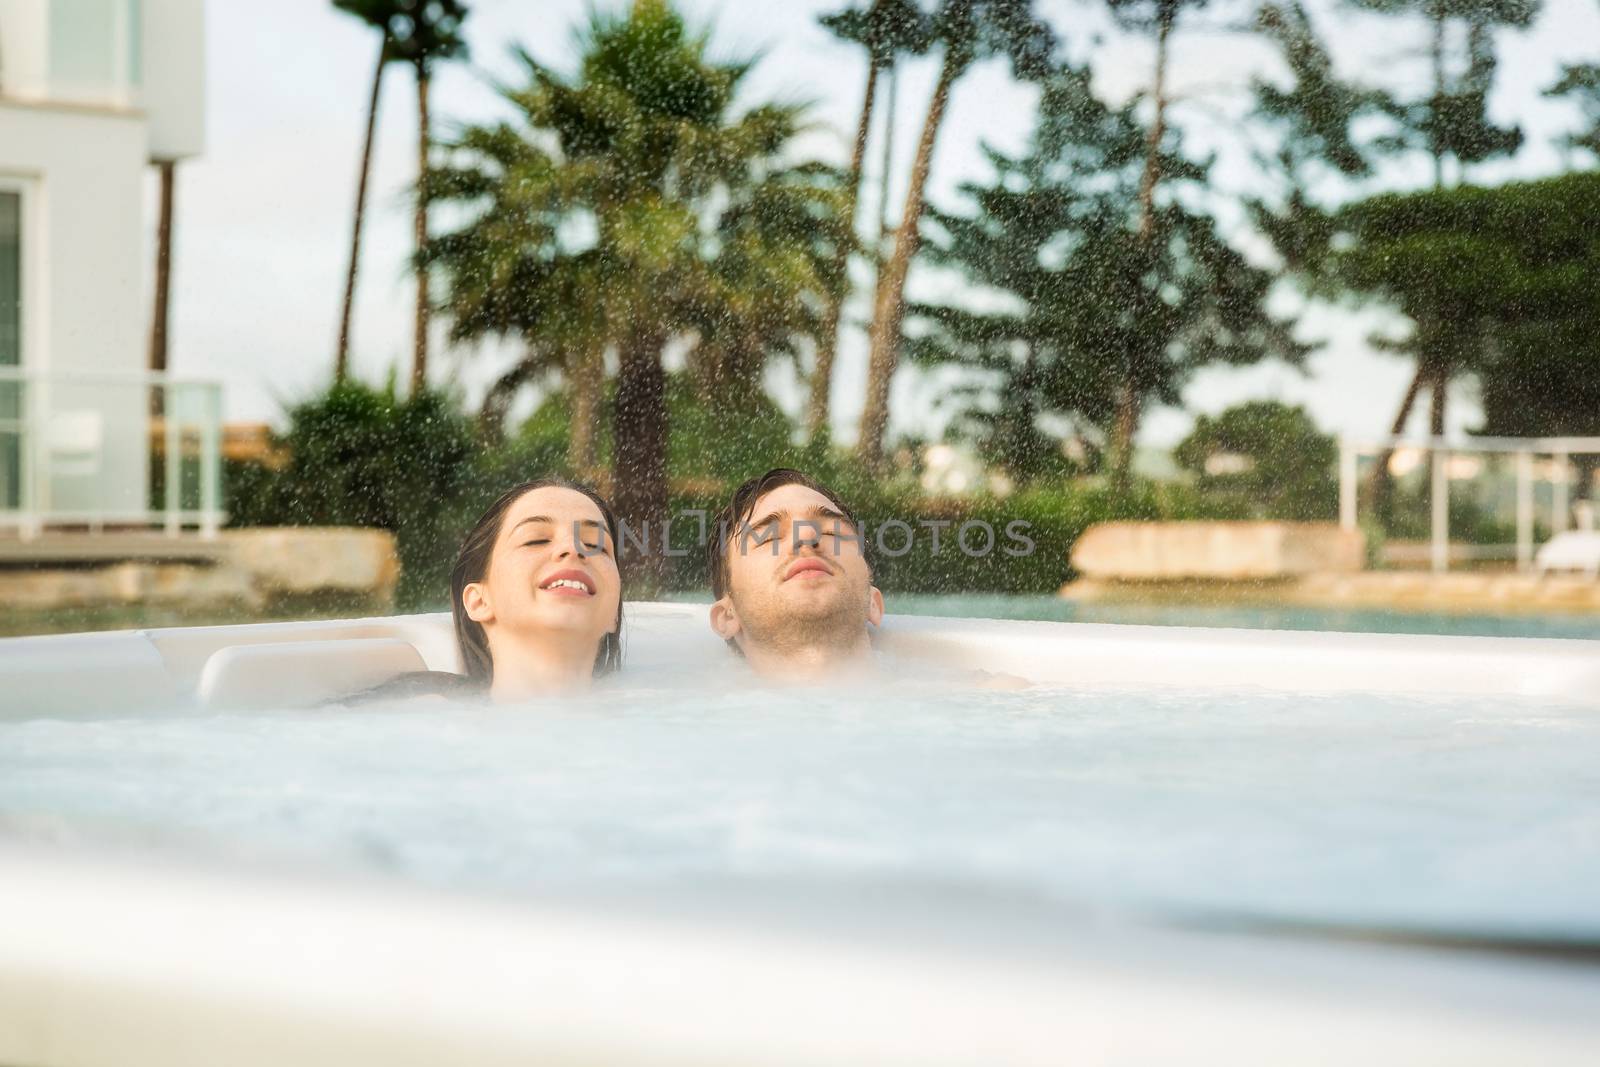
[[210, 465], [1347, 484], [173, 443], [1524, 510], [31, 406], [1558, 495], [1439, 492]]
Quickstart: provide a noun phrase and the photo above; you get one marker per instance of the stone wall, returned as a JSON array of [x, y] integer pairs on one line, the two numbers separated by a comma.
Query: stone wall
[[1232, 551], [302, 560], [249, 568]]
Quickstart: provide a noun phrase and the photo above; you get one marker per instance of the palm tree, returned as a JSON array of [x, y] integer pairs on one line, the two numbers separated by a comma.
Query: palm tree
[[375, 13], [778, 275], [886, 29], [613, 201], [423, 32], [158, 317], [968, 31], [418, 32], [508, 275]]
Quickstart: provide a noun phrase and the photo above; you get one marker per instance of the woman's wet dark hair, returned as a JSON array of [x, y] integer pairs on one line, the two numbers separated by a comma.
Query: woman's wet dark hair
[[472, 565]]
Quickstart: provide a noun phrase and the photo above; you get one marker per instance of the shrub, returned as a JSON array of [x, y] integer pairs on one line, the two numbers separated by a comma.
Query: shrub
[[1287, 464], [1029, 558], [361, 456]]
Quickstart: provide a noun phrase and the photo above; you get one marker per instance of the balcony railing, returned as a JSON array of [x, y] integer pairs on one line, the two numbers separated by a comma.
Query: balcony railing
[[99, 450]]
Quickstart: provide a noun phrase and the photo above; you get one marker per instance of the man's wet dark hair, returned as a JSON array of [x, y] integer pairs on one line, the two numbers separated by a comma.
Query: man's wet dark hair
[[472, 564], [724, 532]]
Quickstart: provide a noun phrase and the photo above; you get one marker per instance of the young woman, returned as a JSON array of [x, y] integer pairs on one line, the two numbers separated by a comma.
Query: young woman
[[535, 592], [535, 596]]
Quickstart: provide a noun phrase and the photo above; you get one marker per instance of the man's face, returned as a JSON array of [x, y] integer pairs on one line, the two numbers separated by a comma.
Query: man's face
[[796, 574]]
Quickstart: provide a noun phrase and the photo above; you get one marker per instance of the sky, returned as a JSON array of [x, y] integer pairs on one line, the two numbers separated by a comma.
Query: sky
[[263, 217]]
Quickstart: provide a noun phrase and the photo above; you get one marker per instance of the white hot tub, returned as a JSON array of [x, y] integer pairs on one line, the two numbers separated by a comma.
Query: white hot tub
[[1178, 845]]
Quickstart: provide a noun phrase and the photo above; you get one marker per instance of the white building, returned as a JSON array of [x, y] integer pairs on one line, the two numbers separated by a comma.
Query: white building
[[92, 92]]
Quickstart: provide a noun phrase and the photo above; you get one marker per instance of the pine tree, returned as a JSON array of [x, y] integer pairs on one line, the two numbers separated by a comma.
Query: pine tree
[[1092, 294], [1450, 124]]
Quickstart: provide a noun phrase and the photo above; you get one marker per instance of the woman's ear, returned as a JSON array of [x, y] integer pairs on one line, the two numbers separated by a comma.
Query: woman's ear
[[874, 605], [725, 620], [475, 599]]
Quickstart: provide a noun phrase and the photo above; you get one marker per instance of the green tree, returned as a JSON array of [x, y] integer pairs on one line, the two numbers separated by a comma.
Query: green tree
[[374, 13], [1087, 297], [1539, 373], [886, 30], [1312, 122], [1450, 123], [1505, 277], [620, 188], [1268, 455], [1158, 19], [967, 31], [775, 271], [1581, 82], [511, 271], [423, 33], [419, 33], [364, 456]]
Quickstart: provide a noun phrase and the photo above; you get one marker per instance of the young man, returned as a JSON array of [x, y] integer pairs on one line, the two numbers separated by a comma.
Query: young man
[[788, 568]]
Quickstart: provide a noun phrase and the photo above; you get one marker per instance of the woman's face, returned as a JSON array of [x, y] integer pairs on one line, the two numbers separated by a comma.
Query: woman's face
[[552, 573]]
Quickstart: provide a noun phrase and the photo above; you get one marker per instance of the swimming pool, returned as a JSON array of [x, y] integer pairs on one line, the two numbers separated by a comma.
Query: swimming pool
[[1352, 620]]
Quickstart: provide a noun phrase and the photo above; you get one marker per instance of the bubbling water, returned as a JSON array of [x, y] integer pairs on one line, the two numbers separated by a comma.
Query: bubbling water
[[1446, 815]]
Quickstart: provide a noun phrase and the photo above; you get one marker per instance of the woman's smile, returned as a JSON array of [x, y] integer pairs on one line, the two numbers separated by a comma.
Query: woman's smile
[[569, 582]]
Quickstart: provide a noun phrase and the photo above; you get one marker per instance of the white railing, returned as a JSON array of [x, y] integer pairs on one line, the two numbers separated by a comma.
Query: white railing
[[98, 450], [1538, 459]]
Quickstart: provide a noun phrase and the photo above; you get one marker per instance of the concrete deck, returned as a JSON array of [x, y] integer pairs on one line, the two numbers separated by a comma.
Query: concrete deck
[[1493, 593]]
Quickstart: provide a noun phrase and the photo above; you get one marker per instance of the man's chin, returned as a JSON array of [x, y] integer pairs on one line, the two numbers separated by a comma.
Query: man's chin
[[817, 598]]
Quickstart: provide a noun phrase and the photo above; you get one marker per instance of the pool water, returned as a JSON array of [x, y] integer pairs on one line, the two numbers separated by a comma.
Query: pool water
[[1353, 620], [1463, 816], [1049, 608]]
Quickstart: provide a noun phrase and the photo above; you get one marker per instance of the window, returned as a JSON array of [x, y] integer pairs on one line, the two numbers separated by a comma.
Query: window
[[96, 47]]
